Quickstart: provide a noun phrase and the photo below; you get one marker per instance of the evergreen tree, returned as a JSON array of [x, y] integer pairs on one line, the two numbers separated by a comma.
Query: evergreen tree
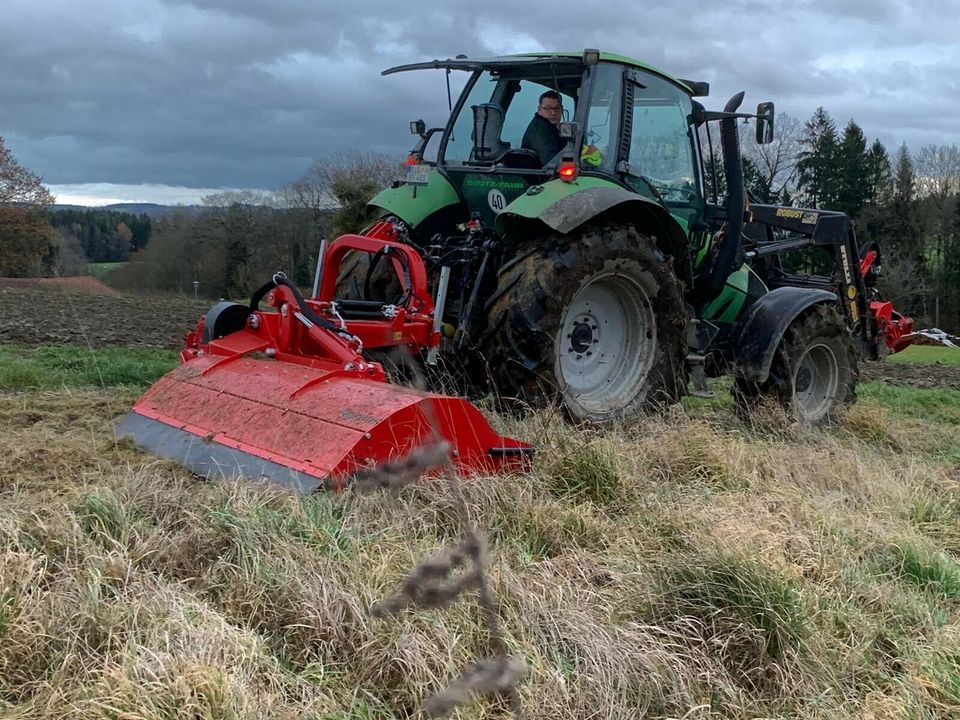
[[713, 176], [819, 167], [905, 180], [756, 182], [853, 187], [879, 175], [905, 235]]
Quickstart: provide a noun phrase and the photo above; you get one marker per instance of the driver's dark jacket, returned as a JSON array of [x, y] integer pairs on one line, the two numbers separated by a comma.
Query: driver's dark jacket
[[543, 138]]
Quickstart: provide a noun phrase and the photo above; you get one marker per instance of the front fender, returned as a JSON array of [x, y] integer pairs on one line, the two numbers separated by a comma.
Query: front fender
[[765, 324], [565, 206]]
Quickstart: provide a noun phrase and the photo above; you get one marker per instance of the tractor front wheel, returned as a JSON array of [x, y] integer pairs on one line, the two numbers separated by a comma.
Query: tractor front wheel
[[814, 373], [596, 320]]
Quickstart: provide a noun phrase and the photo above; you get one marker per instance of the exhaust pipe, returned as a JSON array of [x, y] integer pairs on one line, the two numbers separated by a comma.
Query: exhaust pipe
[[730, 256]]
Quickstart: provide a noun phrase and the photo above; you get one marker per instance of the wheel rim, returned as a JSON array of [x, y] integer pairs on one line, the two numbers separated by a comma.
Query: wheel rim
[[607, 343], [815, 382]]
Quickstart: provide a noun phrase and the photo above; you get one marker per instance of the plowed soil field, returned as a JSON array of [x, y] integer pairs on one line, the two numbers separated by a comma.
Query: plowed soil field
[[912, 375], [54, 316]]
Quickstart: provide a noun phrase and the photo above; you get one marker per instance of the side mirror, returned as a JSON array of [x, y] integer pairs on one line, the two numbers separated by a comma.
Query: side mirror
[[765, 115], [418, 127], [567, 130]]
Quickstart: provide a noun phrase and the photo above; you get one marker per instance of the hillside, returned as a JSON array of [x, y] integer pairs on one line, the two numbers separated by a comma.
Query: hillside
[[692, 565]]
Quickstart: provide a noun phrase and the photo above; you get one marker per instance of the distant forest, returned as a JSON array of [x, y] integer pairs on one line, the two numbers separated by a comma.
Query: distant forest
[[102, 235]]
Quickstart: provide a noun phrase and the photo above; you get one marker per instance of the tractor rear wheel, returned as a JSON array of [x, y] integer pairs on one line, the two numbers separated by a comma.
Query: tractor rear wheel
[[364, 276], [814, 373], [596, 320]]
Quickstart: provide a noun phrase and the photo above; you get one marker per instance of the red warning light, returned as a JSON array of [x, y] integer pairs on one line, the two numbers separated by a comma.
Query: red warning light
[[567, 171]]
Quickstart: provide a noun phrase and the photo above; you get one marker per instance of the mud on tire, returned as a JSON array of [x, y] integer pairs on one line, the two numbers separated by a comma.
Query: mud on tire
[[814, 373], [595, 320], [357, 281]]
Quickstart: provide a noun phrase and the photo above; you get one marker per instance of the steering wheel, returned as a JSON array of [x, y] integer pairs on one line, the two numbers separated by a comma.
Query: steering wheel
[[521, 159]]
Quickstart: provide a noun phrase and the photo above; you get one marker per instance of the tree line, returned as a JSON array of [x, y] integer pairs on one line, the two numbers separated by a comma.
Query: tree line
[[102, 235], [906, 201], [241, 238]]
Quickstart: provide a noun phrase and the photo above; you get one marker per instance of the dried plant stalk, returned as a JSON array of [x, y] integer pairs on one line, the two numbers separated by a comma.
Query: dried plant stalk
[[487, 678], [437, 582]]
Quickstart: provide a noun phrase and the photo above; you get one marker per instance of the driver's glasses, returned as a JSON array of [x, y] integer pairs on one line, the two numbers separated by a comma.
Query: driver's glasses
[[552, 108]]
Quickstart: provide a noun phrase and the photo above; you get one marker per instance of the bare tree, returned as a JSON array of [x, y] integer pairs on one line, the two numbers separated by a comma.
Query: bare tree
[[343, 183], [252, 198], [938, 171], [67, 258], [776, 162], [938, 178], [938, 186]]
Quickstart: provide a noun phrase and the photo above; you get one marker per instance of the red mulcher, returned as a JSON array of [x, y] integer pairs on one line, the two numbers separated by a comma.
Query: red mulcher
[[288, 395]]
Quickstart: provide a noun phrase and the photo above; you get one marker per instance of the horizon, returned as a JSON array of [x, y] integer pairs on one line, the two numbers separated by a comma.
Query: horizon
[[101, 194]]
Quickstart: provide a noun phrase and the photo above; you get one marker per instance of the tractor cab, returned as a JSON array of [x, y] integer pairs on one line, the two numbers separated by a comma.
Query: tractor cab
[[621, 122]]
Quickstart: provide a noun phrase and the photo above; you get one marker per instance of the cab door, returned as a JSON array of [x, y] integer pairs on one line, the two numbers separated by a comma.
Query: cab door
[[660, 147]]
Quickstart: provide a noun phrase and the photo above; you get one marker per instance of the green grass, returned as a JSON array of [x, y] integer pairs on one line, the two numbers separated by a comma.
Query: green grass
[[52, 367], [924, 420], [936, 406], [736, 592], [926, 354], [929, 569], [102, 271]]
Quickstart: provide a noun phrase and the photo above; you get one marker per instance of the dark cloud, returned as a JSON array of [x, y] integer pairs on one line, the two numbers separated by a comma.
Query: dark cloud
[[246, 93]]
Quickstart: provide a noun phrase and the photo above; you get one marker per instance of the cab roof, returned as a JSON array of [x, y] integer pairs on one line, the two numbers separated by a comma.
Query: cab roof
[[462, 62]]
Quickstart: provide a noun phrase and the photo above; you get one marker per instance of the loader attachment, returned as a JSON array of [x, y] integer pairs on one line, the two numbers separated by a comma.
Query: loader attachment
[[288, 395]]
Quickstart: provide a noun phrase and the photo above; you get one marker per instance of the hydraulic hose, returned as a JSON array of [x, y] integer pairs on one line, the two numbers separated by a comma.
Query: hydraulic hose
[[281, 279], [375, 260]]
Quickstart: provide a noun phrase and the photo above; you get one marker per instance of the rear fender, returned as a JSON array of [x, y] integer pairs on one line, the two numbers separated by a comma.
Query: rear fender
[[765, 324], [564, 207], [415, 203]]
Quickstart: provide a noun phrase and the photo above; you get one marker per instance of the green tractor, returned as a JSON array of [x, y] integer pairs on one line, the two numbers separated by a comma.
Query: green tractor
[[606, 275]]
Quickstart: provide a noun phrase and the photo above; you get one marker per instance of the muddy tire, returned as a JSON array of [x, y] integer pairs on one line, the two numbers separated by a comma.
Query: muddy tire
[[595, 321], [356, 281], [814, 373]]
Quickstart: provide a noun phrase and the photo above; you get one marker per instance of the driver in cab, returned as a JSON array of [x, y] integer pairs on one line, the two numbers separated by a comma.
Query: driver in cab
[[542, 135]]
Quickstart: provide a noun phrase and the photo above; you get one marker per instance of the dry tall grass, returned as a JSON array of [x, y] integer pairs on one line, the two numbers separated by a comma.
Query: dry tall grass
[[686, 567]]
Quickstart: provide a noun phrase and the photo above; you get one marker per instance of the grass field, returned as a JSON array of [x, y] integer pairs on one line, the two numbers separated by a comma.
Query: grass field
[[692, 565], [53, 367], [102, 271], [927, 354]]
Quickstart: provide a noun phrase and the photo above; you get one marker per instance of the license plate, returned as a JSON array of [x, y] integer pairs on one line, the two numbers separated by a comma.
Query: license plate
[[416, 175]]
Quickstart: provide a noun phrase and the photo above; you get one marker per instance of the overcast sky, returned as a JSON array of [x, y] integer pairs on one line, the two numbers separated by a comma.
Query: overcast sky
[[166, 100]]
